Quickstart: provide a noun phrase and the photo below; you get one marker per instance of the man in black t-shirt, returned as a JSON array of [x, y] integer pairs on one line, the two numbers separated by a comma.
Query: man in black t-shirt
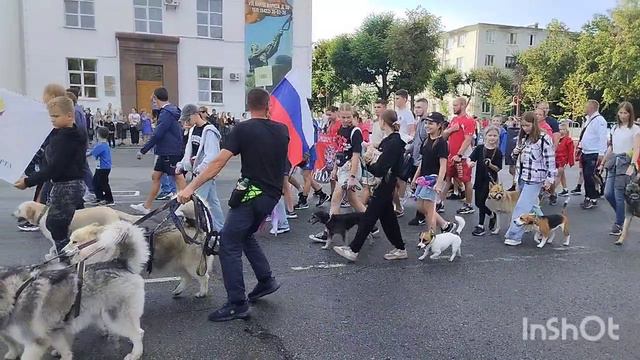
[[262, 145]]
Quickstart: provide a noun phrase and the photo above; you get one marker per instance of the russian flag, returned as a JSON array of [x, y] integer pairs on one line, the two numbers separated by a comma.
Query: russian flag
[[289, 107]]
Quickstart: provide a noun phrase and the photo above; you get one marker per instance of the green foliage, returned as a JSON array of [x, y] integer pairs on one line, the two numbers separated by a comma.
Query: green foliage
[[445, 81], [499, 99], [575, 96], [325, 84], [486, 78]]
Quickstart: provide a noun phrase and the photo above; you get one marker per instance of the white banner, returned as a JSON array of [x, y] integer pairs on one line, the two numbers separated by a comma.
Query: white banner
[[24, 125]]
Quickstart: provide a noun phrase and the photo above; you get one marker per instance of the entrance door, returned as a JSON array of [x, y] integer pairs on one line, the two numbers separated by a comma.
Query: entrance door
[[148, 78]]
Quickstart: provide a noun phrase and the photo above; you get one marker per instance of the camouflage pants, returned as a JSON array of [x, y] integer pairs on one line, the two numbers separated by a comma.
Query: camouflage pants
[[63, 200]]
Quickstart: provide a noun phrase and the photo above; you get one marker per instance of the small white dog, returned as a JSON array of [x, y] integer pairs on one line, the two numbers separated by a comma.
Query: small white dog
[[440, 242]]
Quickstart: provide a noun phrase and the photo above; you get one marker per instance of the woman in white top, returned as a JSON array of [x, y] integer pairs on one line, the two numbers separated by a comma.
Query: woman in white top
[[134, 126], [621, 162]]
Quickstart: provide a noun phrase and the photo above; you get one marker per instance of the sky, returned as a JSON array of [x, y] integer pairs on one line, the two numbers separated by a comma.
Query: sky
[[335, 17]]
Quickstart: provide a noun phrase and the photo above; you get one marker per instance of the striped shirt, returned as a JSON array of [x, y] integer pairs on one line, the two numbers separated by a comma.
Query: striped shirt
[[536, 163]]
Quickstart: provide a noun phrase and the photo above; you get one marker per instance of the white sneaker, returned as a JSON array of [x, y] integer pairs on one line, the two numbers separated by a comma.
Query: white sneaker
[[396, 254], [346, 252], [279, 231], [140, 208], [512, 242]]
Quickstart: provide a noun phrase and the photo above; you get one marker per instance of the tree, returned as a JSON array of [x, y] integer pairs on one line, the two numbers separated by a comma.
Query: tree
[[575, 96], [325, 84], [499, 99], [445, 81], [486, 78], [412, 46]]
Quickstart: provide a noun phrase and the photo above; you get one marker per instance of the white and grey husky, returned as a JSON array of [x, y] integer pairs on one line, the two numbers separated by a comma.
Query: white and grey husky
[[40, 315]]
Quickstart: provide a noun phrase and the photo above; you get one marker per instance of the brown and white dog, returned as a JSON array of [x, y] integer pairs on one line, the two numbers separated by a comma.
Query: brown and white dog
[[632, 200], [547, 225], [501, 201]]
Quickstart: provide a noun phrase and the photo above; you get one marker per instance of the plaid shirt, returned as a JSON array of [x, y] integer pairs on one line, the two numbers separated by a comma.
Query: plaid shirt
[[536, 163]]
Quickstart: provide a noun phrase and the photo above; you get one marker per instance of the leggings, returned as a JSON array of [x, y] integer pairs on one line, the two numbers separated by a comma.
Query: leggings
[[63, 201], [481, 195], [380, 207], [112, 139]]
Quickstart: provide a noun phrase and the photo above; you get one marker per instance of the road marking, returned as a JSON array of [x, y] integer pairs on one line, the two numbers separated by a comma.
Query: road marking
[[125, 193], [161, 280], [321, 265]]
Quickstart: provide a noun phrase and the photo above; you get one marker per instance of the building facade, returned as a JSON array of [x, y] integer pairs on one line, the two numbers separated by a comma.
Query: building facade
[[118, 51], [486, 45]]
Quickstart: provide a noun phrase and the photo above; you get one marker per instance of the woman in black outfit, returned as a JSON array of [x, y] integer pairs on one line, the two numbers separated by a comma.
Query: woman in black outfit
[[387, 167]]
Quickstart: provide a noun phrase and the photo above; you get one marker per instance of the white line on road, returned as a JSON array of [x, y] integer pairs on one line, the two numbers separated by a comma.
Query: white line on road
[[161, 280], [319, 266]]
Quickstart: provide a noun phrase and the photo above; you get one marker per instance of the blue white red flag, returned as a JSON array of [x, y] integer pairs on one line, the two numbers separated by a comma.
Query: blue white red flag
[[290, 108]]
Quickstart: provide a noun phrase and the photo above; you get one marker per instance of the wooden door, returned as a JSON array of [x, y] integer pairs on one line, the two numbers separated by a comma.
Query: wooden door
[[144, 91]]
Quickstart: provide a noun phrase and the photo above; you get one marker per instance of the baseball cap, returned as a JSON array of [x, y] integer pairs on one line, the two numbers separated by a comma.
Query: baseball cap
[[435, 117], [187, 111]]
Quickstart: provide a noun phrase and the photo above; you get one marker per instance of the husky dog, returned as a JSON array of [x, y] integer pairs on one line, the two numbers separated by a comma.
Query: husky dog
[[40, 314]]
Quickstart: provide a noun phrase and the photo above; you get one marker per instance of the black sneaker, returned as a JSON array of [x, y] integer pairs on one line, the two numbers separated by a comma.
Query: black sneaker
[[322, 198], [478, 231], [589, 204], [375, 231], [230, 312], [512, 188], [493, 222], [616, 230], [27, 226], [417, 222], [553, 200], [440, 208], [165, 196], [466, 209], [455, 196], [263, 289], [449, 227], [302, 203], [320, 237], [345, 204], [576, 191], [291, 215], [564, 193]]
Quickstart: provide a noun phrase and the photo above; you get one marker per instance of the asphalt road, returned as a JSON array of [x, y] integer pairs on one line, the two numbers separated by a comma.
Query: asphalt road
[[472, 308]]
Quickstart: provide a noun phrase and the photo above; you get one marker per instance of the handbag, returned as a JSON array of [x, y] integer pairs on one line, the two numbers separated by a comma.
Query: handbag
[[407, 169]]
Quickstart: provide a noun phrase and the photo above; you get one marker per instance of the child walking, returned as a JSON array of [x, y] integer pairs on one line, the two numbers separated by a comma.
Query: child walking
[[565, 156], [102, 153], [487, 159], [65, 159]]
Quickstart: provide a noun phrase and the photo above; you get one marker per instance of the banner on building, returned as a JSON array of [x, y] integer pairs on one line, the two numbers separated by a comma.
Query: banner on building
[[268, 42], [25, 124]]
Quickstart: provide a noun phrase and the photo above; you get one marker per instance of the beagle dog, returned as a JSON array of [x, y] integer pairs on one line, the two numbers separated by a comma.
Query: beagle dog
[[547, 225]]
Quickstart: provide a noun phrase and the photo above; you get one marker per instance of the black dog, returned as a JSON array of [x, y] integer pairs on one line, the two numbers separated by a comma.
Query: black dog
[[632, 199], [336, 224]]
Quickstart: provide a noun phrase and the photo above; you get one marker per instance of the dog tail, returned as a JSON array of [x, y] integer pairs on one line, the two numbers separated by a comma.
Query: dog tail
[[127, 217], [564, 206], [127, 243], [461, 224]]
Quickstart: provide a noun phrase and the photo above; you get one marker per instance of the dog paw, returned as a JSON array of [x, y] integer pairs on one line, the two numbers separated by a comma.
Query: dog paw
[[132, 357], [619, 242], [540, 245], [201, 295]]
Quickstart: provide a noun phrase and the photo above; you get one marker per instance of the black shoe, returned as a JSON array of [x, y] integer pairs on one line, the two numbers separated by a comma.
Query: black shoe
[[512, 188], [302, 203], [291, 215], [589, 203], [416, 221], [375, 231], [263, 289], [466, 209], [322, 198], [553, 200], [27, 226], [478, 231], [230, 312], [493, 221], [448, 228], [577, 190], [455, 196], [320, 237], [163, 196], [564, 193], [440, 208]]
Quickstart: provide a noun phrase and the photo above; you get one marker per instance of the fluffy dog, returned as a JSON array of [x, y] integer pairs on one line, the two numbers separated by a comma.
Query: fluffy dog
[[440, 242], [32, 212], [547, 225], [335, 224], [632, 199], [501, 201], [38, 315], [170, 252]]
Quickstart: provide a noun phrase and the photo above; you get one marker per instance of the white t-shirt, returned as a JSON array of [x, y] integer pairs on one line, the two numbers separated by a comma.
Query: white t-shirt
[[622, 138], [406, 119]]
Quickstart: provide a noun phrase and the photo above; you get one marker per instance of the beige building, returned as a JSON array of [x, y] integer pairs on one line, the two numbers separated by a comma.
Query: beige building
[[485, 45]]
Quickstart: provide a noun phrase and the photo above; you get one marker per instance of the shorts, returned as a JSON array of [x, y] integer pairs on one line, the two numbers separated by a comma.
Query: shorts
[[425, 193], [167, 164], [344, 172], [311, 163], [460, 170]]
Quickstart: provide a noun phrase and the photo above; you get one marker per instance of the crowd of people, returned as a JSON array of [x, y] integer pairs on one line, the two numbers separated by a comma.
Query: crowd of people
[[374, 165]]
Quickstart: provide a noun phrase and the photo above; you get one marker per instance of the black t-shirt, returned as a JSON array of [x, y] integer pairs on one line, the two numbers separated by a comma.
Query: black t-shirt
[[432, 151], [347, 144], [483, 174], [262, 145], [553, 124], [196, 139]]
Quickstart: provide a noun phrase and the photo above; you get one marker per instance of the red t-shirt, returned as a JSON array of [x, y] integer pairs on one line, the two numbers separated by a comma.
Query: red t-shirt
[[546, 127], [365, 128], [456, 138], [333, 132]]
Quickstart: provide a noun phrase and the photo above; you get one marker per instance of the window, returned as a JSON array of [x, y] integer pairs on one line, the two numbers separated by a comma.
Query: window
[[461, 38], [488, 60], [532, 39], [486, 107], [459, 63], [513, 39], [79, 14], [209, 13], [83, 76], [510, 62], [210, 84], [450, 42], [148, 15], [491, 36]]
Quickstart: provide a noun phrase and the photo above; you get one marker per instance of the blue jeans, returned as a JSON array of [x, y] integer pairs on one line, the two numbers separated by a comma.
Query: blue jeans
[[528, 199], [236, 237], [615, 196], [209, 193], [167, 184]]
